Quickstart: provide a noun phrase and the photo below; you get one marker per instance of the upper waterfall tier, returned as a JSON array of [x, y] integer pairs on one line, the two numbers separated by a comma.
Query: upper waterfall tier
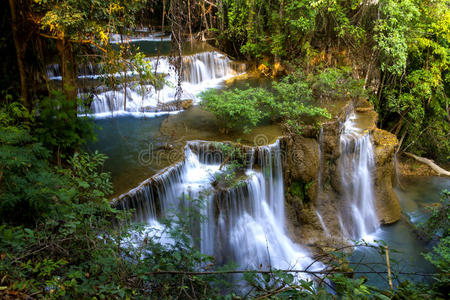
[[244, 224], [200, 71]]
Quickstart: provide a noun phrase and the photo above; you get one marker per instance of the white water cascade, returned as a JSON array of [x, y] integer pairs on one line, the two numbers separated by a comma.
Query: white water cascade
[[357, 214], [200, 71], [244, 224]]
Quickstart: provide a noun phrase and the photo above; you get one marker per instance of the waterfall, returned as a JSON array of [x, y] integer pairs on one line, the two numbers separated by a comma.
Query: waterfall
[[142, 35], [244, 224], [322, 223], [85, 70], [357, 214], [200, 71], [206, 66]]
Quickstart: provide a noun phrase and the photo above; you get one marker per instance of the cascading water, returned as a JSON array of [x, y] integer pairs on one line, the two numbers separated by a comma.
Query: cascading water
[[200, 71], [86, 70], [357, 216], [244, 224]]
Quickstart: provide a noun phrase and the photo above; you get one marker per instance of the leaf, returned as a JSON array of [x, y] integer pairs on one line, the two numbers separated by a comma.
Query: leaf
[[83, 184], [288, 278], [177, 255]]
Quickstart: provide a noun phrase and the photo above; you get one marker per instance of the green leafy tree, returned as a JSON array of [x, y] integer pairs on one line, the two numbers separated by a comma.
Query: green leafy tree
[[412, 39], [289, 102], [27, 183], [59, 129], [89, 22]]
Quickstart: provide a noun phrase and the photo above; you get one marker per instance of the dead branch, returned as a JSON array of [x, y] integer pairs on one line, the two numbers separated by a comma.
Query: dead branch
[[440, 171]]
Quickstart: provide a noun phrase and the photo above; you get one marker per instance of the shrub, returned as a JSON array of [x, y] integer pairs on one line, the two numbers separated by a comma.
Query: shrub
[[27, 182], [58, 126], [237, 109], [337, 83], [289, 102]]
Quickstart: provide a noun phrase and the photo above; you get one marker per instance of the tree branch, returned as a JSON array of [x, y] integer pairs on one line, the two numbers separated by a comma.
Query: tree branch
[[430, 163], [82, 41]]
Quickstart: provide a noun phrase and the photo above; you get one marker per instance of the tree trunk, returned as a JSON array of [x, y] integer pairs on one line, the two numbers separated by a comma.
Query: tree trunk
[[20, 51], [222, 16], [68, 68], [205, 20], [125, 82], [163, 15], [190, 22]]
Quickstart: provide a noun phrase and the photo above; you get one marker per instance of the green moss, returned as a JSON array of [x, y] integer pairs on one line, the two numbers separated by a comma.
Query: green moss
[[297, 189], [300, 189]]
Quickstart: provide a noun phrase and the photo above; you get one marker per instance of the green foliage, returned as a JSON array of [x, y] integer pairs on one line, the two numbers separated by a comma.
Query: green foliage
[[87, 19], [27, 183], [244, 109], [337, 83], [231, 177], [412, 39], [83, 171], [37, 259], [237, 109], [438, 226], [126, 60], [392, 33], [58, 126], [231, 152], [300, 189], [260, 29], [293, 102]]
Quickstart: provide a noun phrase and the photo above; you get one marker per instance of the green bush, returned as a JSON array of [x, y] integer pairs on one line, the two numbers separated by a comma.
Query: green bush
[[438, 227], [27, 181], [289, 101], [237, 109], [59, 128], [337, 83]]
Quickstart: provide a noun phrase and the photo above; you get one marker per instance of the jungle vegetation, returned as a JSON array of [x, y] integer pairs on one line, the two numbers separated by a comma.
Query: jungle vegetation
[[59, 237]]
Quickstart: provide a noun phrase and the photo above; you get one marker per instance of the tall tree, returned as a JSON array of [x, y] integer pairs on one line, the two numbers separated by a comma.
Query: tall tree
[[86, 22]]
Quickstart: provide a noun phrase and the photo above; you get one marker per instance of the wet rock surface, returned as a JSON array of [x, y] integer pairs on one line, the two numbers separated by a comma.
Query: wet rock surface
[[313, 162], [388, 206]]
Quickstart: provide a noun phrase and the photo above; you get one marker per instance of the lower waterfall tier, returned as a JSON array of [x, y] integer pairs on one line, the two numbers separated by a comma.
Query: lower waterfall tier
[[244, 224]]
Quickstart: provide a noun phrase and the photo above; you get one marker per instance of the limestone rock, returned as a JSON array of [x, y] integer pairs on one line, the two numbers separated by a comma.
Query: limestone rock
[[302, 159], [388, 206], [302, 164]]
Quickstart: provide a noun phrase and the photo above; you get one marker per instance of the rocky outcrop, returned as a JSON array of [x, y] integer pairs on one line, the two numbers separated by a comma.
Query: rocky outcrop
[[388, 206], [169, 106], [313, 178], [307, 156]]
